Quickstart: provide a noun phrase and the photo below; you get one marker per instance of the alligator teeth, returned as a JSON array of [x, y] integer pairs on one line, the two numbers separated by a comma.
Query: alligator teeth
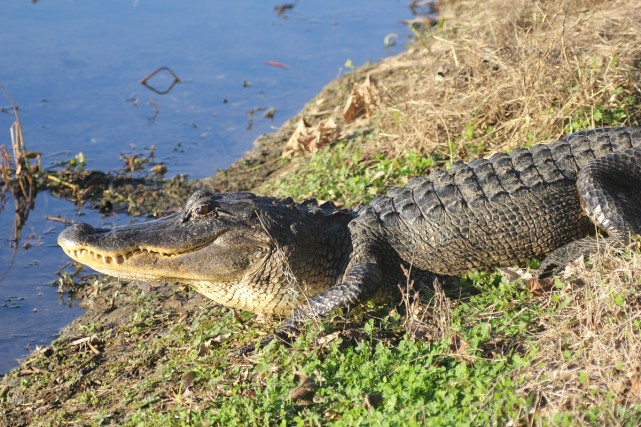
[[113, 259]]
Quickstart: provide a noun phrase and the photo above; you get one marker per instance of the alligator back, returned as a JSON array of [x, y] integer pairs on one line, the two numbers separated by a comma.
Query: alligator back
[[499, 211]]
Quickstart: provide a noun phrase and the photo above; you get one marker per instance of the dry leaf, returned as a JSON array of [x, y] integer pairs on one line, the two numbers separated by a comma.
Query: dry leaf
[[635, 387], [187, 379], [362, 101], [327, 338], [204, 348], [460, 348], [308, 139], [305, 389], [372, 400], [539, 286]]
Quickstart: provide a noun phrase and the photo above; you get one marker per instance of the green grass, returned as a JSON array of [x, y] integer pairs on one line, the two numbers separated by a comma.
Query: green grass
[[419, 382], [473, 373], [616, 112], [343, 174]]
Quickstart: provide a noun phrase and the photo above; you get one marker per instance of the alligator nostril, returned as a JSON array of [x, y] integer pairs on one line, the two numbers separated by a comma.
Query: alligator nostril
[[71, 236], [82, 228]]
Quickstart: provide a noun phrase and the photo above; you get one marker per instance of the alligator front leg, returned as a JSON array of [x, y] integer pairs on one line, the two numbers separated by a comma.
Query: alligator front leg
[[361, 280], [371, 264]]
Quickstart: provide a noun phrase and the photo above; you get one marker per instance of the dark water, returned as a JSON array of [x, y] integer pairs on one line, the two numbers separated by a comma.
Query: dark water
[[74, 69], [31, 310]]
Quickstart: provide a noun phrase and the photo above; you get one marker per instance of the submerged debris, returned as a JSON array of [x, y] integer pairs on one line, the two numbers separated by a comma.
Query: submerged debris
[[18, 174], [145, 80]]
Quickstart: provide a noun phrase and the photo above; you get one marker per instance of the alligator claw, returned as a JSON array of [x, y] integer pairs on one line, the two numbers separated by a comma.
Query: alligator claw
[[547, 270], [284, 335], [251, 348]]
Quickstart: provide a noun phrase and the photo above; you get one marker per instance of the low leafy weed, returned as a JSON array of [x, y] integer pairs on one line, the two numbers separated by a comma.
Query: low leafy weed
[[343, 174]]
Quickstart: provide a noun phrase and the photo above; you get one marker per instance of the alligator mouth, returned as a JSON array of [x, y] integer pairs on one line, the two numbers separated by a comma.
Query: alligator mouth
[[87, 254], [93, 256]]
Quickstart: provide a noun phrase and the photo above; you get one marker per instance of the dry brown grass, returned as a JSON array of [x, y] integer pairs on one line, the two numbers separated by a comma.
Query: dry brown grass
[[588, 351], [514, 72]]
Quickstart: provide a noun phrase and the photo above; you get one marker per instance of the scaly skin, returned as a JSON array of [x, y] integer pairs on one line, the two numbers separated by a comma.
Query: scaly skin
[[251, 252], [240, 250]]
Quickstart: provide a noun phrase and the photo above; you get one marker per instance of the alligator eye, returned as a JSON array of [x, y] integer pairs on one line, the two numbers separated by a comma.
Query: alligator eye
[[204, 209]]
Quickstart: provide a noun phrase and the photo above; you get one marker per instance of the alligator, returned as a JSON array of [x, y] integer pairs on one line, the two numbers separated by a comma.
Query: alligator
[[269, 255]]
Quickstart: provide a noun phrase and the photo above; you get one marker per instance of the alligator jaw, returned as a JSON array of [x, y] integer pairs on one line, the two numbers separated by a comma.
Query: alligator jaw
[[120, 264], [144, 262], [86, 256], [113, 251], [89, 257]]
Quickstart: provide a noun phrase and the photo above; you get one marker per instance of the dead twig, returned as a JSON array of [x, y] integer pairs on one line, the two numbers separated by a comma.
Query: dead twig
[[65, 221]]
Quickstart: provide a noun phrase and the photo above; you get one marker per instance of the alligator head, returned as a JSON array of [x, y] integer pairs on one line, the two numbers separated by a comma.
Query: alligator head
[[259, 254]]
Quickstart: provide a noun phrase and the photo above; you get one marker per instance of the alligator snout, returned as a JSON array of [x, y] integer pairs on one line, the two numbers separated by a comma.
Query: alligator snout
[[76, 234]]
